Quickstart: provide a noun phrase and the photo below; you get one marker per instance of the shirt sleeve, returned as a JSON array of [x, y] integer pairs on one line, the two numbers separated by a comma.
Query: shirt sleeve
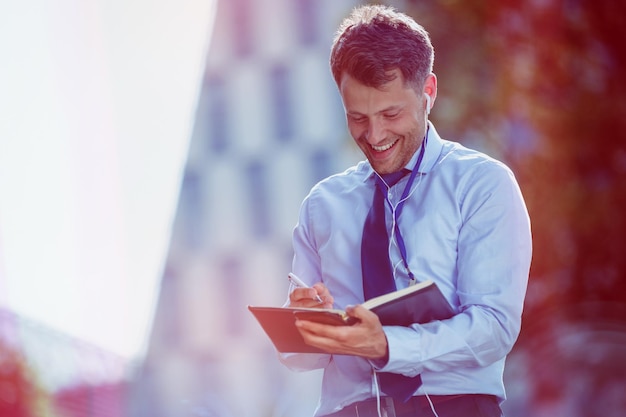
[[493, 261], [306, 264]]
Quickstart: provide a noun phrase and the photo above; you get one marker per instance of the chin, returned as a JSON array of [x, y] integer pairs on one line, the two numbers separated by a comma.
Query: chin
[[383, 169]]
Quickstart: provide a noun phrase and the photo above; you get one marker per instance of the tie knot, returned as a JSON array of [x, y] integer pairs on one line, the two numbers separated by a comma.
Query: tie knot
[[392, 178]]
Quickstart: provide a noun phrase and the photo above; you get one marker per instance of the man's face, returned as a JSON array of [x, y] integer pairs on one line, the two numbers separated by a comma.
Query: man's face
[[388, 124]]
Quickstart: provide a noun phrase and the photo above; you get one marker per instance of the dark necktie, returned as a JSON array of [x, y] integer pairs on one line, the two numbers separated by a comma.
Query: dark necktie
[[378, 276]]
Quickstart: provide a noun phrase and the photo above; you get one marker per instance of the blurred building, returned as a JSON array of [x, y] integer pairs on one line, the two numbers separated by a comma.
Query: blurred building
[[269, 124]]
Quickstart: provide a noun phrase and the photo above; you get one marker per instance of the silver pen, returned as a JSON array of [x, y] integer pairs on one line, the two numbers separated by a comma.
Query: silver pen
[[293, 278]]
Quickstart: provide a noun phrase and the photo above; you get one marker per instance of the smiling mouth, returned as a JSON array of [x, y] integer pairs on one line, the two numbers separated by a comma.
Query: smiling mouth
[[383, 148]]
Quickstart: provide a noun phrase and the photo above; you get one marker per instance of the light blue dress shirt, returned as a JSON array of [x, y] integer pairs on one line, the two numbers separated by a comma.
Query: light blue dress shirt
[[466, 227]]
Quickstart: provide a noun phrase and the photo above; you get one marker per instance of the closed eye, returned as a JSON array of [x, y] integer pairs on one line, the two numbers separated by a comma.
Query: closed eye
[[357, 119]]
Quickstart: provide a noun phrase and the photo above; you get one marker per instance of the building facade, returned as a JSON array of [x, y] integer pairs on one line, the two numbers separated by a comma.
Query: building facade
[[269, 125]]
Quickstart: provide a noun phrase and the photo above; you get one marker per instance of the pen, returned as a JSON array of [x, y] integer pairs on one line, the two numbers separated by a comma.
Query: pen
[[293, 278]]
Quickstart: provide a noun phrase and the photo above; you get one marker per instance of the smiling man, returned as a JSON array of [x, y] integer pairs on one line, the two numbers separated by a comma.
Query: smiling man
[[387, 122], [419, 207]]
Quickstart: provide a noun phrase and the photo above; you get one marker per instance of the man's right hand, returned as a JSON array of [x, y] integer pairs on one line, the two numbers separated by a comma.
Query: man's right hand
[[306, 297]]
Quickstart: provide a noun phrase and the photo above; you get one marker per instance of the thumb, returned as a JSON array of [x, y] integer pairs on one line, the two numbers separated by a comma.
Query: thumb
[[359, 312]]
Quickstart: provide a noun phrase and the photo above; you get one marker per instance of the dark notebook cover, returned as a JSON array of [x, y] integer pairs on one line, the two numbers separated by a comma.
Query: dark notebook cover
[[419, 307]]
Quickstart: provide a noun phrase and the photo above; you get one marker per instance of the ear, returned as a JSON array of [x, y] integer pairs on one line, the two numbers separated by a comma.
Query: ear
[[430, 90]]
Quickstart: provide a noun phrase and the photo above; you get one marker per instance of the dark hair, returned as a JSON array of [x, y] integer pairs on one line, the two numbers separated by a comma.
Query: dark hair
[[375, 40]]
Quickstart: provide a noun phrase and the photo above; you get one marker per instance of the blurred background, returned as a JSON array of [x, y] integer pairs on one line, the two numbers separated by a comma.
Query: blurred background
[[154, 154]]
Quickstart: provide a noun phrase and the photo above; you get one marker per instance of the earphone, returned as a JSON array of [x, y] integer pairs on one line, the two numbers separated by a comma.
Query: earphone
[[427, 104]]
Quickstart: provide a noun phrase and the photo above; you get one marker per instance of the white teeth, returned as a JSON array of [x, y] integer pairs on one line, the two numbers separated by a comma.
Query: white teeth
[[384, 147]]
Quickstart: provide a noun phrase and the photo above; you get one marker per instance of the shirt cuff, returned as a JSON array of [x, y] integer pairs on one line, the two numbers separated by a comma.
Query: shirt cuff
[[403, 352]]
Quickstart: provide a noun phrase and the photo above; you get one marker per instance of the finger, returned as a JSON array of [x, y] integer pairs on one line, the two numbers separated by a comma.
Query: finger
[[338, 335], [364, 316], [300, 294], [305, 297], [321, 289], [332, 339], [357, 311], [320, 335], [319, 342], [327, 299]]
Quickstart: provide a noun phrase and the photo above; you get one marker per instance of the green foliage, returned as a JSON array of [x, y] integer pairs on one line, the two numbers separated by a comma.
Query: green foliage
[[539, 85]]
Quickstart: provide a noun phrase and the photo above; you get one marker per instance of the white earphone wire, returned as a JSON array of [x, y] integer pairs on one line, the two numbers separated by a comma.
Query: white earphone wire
[[392, 238], [432, 406]]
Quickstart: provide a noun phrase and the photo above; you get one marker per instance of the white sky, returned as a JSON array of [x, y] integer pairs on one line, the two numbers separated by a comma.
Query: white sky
[[97, 100]]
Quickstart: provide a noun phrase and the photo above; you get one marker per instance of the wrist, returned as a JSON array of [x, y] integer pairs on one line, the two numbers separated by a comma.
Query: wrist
[[381, 361]]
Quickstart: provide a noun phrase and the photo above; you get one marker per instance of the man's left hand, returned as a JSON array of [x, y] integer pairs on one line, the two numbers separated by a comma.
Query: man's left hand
[[365, 338]]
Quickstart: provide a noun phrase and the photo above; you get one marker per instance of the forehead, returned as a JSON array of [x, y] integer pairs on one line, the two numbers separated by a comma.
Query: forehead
[[360, 98]]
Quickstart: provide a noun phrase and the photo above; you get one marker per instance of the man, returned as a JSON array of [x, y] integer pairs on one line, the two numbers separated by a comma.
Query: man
[[457, 218]]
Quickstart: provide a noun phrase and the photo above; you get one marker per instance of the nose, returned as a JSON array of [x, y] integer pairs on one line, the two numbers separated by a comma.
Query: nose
[[375, 132]]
